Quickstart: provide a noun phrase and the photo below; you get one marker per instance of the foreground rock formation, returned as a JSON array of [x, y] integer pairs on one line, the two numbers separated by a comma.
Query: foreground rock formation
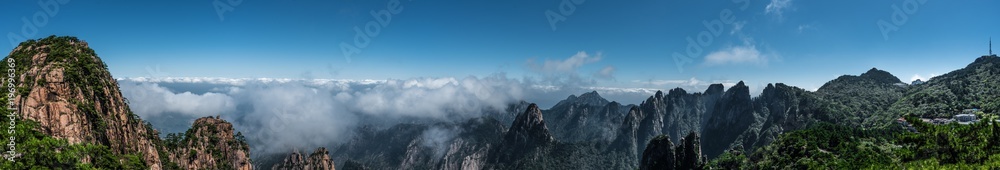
[[65, 92]]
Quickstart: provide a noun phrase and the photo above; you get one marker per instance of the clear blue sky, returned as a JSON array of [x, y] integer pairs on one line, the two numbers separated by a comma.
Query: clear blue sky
[[802, 43]]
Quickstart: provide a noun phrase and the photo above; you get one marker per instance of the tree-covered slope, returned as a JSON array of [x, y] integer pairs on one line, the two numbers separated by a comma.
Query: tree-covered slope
[[977, 86], [865, 99]]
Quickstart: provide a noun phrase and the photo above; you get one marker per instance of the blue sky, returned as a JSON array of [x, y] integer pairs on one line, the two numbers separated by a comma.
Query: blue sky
[[601, 43]]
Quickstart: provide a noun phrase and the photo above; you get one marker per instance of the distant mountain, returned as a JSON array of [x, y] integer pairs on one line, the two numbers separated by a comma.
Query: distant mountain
[[859, 131], [586, 118], [673, 114], [865, 99], [977, 86], [464, 145], [880, 76], [589, 132], [75, 117]]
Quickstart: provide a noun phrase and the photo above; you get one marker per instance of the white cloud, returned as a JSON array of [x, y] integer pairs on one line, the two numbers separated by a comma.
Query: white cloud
[[278, 115], [285, 114], [569, 65], [922, 78], [436, 98], [187, 103], [746, 54], [567, 72], [777, 7], [606, 73]]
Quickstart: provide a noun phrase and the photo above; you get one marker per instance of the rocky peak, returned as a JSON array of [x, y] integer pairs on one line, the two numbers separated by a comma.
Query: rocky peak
[[586, 99], [738, 90], [66, 88], [659, 154], [775, 90], [529, 128], [880, 76], [210, 144], [677, 92], [318, 160], [592, 98], [715, 89]]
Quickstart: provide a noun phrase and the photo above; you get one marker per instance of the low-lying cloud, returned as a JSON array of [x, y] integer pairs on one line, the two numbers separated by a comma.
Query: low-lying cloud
[[280, 115], [187, 103], [287, 114]]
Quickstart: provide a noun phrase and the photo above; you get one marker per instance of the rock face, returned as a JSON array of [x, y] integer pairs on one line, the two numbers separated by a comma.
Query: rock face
[[529, 130], [318, 160], [465, 145], [210, 144], [527, 139], [70, 92], [674, 114], [732, 116], [65, 87], [660, 153]]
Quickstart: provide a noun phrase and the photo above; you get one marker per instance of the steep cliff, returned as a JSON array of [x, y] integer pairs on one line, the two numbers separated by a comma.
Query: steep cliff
[[67, 89], [72, 115], [210, 144]]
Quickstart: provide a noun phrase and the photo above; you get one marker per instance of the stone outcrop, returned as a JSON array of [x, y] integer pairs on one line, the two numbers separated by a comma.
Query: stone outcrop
[[64, 86], [660, 153], [529, 129], [318, 160], [68, 90], [211, 144]]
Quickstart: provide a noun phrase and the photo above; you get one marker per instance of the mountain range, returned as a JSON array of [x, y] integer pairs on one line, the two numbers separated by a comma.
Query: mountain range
[[74, 116]]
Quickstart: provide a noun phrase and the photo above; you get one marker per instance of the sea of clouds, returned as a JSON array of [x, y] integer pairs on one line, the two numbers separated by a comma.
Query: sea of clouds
[[279, 115]]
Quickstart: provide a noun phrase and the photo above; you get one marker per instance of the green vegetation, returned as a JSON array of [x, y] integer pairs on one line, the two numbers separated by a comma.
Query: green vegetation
[[975, 86], [39, 150], [828, 145], [858, 130], [819, 146], [862, 101]]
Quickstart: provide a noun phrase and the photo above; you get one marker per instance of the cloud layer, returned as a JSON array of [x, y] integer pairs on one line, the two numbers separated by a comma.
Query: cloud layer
[[278, 115], [197, 105]]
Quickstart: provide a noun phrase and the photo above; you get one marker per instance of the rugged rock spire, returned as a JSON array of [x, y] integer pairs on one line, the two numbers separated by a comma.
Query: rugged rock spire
[[529, 128], [659, 154]]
